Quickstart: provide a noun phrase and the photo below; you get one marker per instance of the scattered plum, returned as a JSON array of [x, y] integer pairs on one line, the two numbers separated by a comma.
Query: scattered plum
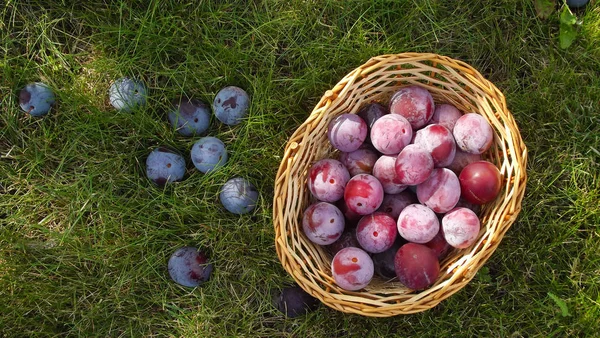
[[347, 132], [209, 154], [384, 170], [376, 232], [352, 268], [293, 302], [417, 266], [164, 165], [473, 133], [393, 204], [189, 116], [418, 224], [461, 227], [439, 245], [323, 223], [413, 165], [390, 134], [231, 105], [480, 182], [360, 161], [126, 94], [36, 99], [383, 262], [327, 180], [189, 267], [414, 103], [441, 191], [348, 239], [461, 160], [238, 196], [363, 194], [439, 142], [445, 115]]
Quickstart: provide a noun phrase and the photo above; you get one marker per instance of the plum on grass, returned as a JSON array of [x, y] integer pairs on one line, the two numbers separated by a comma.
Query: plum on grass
[[384, 261], [327, 180], [36, 99], [445, 115], [164, 165], [413, 165], [126, 94], [208, 154], [231, 105], [238, 196], [473, 133], [439, 142], [417, 266], [189, 116], [189, 267], [352, 268], [461, 227], [480, 182], [393, 204], [376, 232], [347, 132], [293, 301], [418, 224], [363, 194], [360, 161], [390, 134], [323, 223], [414, 103], [384, 170], [440, 191]]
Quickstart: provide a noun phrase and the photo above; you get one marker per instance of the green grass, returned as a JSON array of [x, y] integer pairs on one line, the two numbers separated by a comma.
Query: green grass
[[84, 237]]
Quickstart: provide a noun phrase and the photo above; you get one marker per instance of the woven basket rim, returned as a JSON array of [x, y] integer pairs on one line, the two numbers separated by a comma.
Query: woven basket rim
[[448, 79]]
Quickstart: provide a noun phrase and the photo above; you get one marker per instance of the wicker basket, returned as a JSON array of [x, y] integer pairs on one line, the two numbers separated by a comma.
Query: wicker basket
[[448, 80]]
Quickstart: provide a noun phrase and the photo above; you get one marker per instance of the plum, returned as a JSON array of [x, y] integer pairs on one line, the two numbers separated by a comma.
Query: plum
[[189, 267], [390, 134], [371, 113], [231, 105], [383, 262], [293, 301], [189, 116], [439, 142], [376, 232], [417, 266], [352, 269], [445, 115], [384, 170], [577, 3], [363, 194], [480, 182], [36, 99], [238, 196], [461, 227], [439, 245], [323, 223], [360, 161], [164, 165], [461, 160], [413, 165], [440, 191], [418, 224], [463, 203], [414, 103], [347, 239], [347, 132], [473, 133], [393, 204], [327, 180], [208, 154], [126, 94]]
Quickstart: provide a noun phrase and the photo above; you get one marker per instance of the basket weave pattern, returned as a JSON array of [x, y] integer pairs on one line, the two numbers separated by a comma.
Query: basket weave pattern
[[448, 81]]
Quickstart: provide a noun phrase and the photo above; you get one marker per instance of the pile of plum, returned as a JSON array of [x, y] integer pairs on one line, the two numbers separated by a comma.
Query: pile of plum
[[406, 188]]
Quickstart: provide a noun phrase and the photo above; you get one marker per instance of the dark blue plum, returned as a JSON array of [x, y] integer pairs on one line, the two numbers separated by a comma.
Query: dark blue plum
[[208, 154], [190, 116], [384, 261], [189, 267], [231, 105], [164, 165], [294, 302], [36, 99], [238, 196], [577, 3], [126, 94]]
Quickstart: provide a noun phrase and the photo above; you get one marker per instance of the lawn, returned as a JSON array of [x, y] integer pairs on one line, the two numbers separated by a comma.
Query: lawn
[[85, 237]]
